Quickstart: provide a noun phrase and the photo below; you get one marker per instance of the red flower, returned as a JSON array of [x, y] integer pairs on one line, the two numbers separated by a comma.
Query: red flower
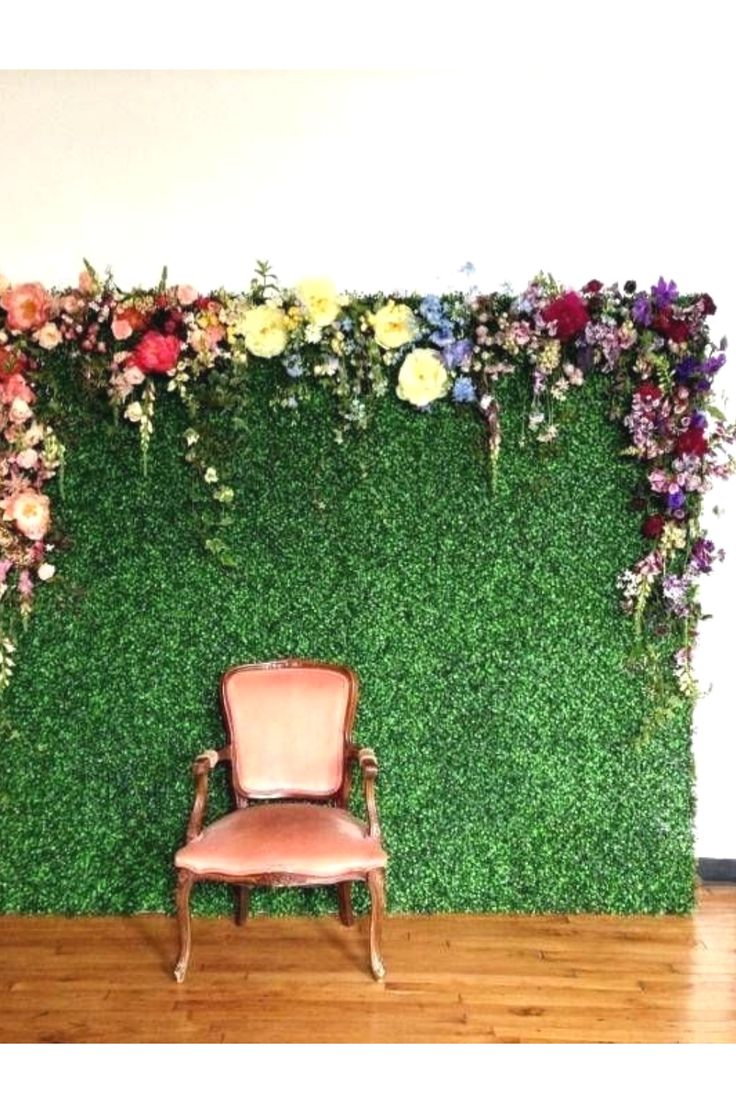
[[653, 526], [673, 328], [708, 305], [649, 391], [691, 442], [592, 287], [155, 352], [569, 312]]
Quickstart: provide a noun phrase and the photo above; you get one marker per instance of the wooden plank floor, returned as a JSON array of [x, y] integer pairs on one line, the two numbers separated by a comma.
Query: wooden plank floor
[[450, 979]]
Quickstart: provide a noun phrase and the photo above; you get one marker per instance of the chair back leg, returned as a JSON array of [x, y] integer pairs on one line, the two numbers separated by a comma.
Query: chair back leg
[[242, 894], [183, 890], [345, 902], [376, 886]]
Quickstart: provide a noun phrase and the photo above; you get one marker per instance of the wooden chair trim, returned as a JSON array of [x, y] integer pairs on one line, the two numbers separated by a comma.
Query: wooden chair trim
[[201, 768], [368, 762]]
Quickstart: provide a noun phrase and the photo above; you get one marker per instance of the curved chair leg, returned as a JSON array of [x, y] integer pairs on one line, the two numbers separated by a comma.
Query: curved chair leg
[[242, 894], [183, 890], [376, 887], [346, 904]]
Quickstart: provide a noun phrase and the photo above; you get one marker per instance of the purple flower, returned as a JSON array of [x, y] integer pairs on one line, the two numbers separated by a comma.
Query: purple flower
[[663, 293], [463, 390], [641, 311], [698, 420], [458, 354], [702, 555], [686, 369], [675, 590], [713, 364], [675, 500]]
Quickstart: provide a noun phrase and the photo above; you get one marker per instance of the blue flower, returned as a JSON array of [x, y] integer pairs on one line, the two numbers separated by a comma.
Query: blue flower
[[431, 311], [463, 390], [443, 336], [294, 367], [675, 500]]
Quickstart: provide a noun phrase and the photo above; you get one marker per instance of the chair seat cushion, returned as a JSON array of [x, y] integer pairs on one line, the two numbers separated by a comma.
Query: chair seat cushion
[[308, 841]]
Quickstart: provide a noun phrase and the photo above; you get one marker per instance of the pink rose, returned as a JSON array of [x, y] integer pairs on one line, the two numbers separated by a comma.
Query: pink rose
[[15, 387], [28, 306], [30, 512], [48, 337], [186, 294], [127, 321], [155, 352], [86, 283], [19, 411], [71, 304], [27, 459]]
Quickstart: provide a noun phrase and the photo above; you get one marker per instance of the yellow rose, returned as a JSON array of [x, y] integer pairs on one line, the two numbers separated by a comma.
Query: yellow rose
[[394, 325], [422, 378], [319, 299], [264, 330]]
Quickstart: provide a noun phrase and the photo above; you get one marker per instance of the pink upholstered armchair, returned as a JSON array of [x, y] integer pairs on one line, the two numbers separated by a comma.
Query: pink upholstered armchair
[[290, 727]]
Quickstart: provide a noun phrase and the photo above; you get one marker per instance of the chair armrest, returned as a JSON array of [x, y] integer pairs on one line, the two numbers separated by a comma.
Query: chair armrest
[[201, 768], [368, 762]]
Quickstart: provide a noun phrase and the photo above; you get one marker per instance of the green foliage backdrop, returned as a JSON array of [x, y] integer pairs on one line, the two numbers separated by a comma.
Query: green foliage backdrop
[[485, 630]]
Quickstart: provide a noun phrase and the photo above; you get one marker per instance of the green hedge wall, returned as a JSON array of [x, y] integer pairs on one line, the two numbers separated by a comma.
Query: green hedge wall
[[485, 630]]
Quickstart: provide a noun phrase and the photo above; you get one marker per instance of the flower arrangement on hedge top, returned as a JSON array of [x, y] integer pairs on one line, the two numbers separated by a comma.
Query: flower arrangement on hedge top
[[654, 346]]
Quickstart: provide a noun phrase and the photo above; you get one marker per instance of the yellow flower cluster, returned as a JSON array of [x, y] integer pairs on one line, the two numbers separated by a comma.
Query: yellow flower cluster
[[394, 325], [422, 377], [264, 330], [319, 298]]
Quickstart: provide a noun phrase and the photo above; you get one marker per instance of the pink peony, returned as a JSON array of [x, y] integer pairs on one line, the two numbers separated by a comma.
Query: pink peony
[[28, 306], [15, 387], [186, 294], [155, 352], [30, 512], [569, 313]]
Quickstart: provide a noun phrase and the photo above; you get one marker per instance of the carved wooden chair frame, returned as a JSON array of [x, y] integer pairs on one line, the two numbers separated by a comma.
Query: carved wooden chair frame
[[368, 763]]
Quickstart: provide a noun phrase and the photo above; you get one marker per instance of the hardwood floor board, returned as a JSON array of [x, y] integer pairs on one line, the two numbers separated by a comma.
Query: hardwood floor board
[[460, 978]]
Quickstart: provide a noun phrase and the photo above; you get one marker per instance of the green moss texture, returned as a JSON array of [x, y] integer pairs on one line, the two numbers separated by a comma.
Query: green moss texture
[[485, 630]]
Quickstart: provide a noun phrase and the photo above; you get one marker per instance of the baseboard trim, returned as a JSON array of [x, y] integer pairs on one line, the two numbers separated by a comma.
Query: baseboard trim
[[717, 870]]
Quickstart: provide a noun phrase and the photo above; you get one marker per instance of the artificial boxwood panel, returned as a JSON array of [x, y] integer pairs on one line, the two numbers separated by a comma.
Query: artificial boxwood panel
[[485, 630]]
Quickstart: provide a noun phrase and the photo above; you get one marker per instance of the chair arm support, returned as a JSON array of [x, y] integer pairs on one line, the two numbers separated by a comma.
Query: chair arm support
[[369, 767], [201, 768]]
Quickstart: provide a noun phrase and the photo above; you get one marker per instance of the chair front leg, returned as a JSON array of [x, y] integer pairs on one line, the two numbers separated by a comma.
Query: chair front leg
[[183, 890], [346, 905], [376, 886]]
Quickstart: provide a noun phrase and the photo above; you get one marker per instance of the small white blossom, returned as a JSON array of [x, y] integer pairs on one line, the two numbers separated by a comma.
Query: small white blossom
[[210, 476]]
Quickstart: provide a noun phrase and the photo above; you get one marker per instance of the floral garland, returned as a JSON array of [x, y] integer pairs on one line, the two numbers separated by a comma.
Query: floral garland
[[654, 346]]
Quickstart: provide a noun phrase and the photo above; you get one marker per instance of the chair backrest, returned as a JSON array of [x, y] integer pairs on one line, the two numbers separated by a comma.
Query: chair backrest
[[290, 725]]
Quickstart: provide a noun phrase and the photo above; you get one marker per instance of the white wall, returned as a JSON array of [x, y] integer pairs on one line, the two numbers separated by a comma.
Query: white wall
[[598, 162]]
